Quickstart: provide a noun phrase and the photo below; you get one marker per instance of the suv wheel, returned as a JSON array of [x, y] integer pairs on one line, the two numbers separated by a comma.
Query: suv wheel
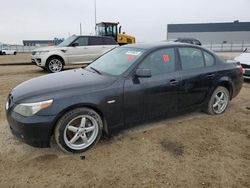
[[219, 101], [78, 130], [54, 65]]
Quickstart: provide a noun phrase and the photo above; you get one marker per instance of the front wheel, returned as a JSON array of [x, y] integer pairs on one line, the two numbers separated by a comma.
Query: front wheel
[[219, 101], [78, 130], [54, 65]]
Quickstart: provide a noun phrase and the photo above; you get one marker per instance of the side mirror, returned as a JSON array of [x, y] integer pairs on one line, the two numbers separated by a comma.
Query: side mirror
[[143, 73], [75, 44], [245, 49]]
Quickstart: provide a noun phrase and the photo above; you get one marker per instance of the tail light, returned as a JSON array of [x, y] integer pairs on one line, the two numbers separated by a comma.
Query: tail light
[[242, 70]]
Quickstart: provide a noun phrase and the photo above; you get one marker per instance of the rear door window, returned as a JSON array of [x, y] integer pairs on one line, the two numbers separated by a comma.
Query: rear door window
[[160, 62], [96, 41], [108, 41], [191, 58]]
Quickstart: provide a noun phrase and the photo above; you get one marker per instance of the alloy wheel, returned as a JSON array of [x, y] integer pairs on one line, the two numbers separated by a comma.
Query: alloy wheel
[[220, 102], [55, 65], [81, 132]]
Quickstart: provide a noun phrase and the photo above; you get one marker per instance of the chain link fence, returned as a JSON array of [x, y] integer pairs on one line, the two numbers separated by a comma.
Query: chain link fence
[[227, 47]]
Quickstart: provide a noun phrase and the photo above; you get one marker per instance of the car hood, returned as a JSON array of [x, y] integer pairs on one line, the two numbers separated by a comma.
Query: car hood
[[59, 82], [244, 58]]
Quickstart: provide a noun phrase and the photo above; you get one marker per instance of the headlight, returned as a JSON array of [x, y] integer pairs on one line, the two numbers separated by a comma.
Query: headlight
[[29, 109], [41, 52]]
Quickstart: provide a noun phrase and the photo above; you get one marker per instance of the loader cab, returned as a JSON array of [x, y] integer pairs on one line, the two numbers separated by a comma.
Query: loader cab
[[107, 29], [111, 29]]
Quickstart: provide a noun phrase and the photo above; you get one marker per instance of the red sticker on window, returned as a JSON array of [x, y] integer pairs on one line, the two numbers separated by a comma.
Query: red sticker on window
[[165, 58], [130, 57]]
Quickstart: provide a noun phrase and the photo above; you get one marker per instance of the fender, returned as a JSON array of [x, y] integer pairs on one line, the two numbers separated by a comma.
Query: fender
[[226, 82]]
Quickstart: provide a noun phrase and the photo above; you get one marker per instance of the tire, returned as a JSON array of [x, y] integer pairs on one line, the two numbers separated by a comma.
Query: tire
[[4, 53], [14, 53], [78, 130], [54, 64], [219, 101]]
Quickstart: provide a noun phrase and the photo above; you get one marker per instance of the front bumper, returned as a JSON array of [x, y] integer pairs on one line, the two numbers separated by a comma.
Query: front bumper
[[35, 131], [38, 60], [246, 74]]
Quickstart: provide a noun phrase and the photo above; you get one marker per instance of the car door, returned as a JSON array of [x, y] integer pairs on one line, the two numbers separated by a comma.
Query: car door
[[156, 95], [79, 51], [198, 72]]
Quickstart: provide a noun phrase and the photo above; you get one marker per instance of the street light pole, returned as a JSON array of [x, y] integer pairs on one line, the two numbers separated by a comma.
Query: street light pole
[[95, 16], [80, 28]]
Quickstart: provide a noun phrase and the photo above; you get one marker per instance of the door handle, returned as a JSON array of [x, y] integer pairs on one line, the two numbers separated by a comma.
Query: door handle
[[174, 82], [210, 76]]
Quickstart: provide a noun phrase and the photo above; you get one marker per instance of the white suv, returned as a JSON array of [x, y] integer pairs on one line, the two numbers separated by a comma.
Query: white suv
[[74, 50]]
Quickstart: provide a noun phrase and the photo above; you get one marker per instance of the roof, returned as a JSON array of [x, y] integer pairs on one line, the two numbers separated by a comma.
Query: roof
[[209, 27], [148, 46]]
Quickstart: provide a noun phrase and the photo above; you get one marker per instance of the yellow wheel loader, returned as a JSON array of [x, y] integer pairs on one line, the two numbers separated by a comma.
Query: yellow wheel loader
[[111, 29]]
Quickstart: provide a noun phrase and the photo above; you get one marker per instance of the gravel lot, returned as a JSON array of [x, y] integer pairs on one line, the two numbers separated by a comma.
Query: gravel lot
[[191, 150]]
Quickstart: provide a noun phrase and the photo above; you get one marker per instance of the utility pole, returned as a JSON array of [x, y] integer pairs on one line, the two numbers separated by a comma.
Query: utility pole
[[95, 16], [80, 28]]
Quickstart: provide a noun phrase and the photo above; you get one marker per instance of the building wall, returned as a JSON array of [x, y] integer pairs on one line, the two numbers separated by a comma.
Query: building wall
[[239, 37]]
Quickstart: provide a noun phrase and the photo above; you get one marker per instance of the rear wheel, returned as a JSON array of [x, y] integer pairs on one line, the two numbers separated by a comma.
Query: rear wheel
[[54, 64], [14, 53], [219, 101], [4, 53], [78, 130]]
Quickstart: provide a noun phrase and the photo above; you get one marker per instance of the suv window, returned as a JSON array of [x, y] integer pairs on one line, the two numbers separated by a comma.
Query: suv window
[[82, 41], [191, 58], [95, 41], [209, 59], [108, 41], [160, 61]]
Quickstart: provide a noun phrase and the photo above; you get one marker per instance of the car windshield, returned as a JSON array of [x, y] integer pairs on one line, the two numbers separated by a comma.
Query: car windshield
[[117, 61], [67, 42]]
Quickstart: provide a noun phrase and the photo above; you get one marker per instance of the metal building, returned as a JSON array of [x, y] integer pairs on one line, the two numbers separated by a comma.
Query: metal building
[[229, 36]]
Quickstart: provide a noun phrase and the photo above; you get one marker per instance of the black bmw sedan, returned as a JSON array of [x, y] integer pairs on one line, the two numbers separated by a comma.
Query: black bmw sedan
[[127, 85]]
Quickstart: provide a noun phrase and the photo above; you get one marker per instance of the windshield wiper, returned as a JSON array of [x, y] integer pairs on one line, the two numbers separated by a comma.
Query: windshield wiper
[[96, 70]]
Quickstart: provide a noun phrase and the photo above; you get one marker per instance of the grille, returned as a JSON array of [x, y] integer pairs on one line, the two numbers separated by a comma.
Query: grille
[[247, 72], [245, 66]]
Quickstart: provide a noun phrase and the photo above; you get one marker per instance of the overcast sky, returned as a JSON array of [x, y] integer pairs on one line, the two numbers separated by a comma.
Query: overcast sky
[[145, 19]]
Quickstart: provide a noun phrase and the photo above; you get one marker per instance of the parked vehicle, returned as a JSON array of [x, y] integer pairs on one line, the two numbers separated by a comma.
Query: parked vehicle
[[189, 41], [74, 50], [6, 51], [127, 85], [244, 60]]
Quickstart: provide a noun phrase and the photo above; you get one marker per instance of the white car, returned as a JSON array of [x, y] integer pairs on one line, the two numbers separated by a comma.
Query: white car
[[74, 50], [244, 60], [6, 51]]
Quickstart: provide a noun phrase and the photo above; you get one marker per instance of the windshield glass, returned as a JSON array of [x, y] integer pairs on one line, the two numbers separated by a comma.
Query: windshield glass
[[67, 42], [116, 61]]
